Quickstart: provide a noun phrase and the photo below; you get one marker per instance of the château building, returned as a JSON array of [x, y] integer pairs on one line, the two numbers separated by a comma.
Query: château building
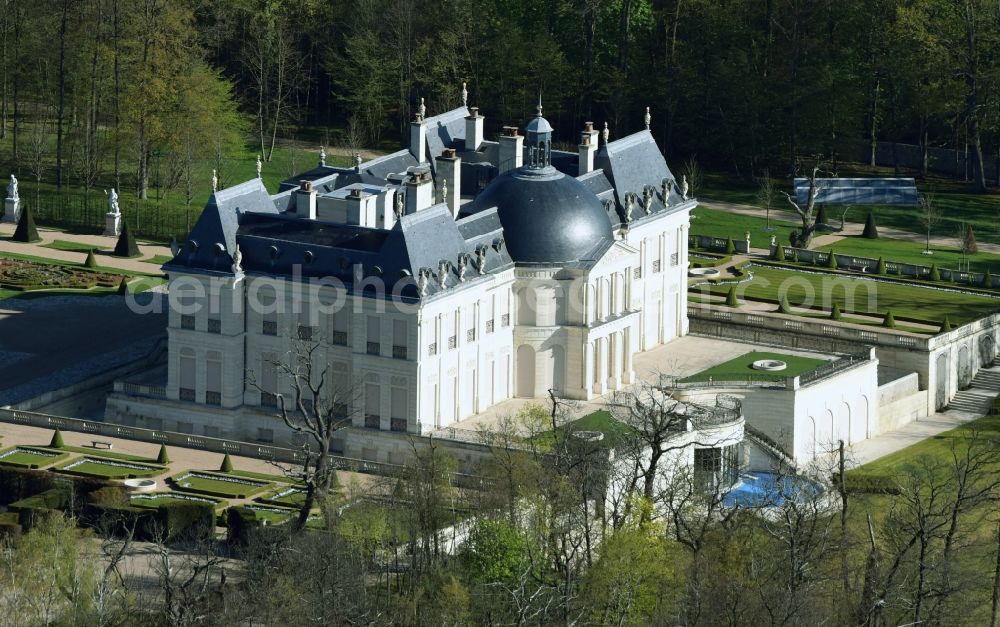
[[436, 281]]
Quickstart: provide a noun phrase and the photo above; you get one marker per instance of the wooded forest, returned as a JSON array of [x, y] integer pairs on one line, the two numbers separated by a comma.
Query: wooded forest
[[93, 91]]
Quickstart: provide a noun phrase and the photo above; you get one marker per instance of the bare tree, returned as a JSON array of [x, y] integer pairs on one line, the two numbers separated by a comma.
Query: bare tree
[[765, 195], [316, 408], [808, 213], [692, 171], [929, 217]]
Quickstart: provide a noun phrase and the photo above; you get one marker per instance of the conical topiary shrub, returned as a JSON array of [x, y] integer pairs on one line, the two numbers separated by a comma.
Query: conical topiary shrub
[[946, 325], [57, 439], [731, 299], [162, 457], [783, 306], [835, 312], [26, 231], [123, 287], [935, 274], [880, 267], [779, 252], [91, 261], [831, 261], [126, 246], [821, 215], [889, 321], [987, 279], [870, 231], [969, 243], [227, 464], [730, 246]]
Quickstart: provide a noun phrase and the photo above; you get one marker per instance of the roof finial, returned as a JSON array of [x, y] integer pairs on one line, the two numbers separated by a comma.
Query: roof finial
[[422, 109], [649, 118], [606, 133], [539, 107], [465, 95]]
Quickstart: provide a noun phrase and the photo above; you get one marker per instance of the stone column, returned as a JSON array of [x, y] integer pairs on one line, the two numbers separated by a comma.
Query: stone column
[[601, 365]]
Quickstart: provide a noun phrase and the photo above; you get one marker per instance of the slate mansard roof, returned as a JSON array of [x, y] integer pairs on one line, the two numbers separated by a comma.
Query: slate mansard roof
[[549, 217]]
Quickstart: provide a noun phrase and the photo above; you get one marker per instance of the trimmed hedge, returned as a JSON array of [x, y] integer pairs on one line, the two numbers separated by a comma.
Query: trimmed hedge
[[240, 524], [57, 440], [126, 246], [227, 464], [869, 484], [187, 520], [34, 509], [17, 484]]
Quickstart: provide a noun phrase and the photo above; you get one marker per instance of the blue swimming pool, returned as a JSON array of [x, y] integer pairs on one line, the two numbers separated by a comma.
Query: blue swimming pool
[[768, 489]]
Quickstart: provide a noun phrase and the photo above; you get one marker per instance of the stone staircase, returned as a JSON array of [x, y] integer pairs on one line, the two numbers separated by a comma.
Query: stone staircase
[[979, 396]]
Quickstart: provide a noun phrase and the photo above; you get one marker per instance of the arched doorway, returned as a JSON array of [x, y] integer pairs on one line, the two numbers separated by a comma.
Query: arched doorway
[[525, 371], [846, 428], [866, 416], [558, 369], [987, 351], [941, 382], [964, 368]]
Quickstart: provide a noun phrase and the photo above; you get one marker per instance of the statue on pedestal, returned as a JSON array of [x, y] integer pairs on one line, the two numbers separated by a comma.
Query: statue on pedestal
[[113, 202], [422, 109], [322, 157], [648, 118], [399, 204], [465, 95], [237, 261], [215, 181], [605, 134], [259, 166], [12, 188], [357, 160], [684, 187]]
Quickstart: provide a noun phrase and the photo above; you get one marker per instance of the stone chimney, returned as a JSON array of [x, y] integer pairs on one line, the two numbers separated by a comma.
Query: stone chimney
[[418, 139], [511, 149], [587, 148], [474, 129], [305, 200], [449, 168], [419, 193]]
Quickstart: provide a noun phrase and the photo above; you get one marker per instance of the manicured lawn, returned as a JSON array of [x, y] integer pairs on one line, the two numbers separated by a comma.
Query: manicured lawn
[[717, 223], [28, 457], [158, 260], [275, 478], [903, 251], [81, 247], [601, 420], [291, 497], [218, 484], [937, 447], [104, 454], [154, 500], [89, 466], [271, 515], [740, 368], [860, 295], [956, 206]]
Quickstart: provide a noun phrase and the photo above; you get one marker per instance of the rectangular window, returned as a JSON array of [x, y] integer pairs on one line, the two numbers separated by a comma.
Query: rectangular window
[[186, 370], [187, 394], [470, 335], [398, 352], [214, 325], [187, 322], [398, 401], [305, 333], [268, 399], [265, 435], [211, 431], [185, 427], [397, 424], [432, 349], [372, 421], [373, 405], [452, 342], [489, 326], [340, 338], [656, 266], [374, 330], [637, 272], [673, 259], [269, 327], [505, 320], [399, 339], [213, 398]]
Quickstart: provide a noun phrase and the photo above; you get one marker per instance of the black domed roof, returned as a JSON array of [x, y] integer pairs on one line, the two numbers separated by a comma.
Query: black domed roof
[[547, 217]]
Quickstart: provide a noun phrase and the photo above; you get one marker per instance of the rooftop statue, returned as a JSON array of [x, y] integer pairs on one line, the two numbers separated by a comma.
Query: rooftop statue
[[465, 95], [684, 187], [259, 166], [215, 181], [605, 134], [322, 157], [649, 118]]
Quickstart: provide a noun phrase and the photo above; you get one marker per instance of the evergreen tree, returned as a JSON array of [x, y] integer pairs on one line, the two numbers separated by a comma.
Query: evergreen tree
[[227, 464], [57, 440], [987, 279], [871, 231], [889, 321], [731, 299], [821, 215], [123, 287], [91, 261], [946, 325], [783, 305], [730, 246], [835, 312], [26, 231], [162, 457], [126, 246], [880, 267], [969, 245], [831, 261], [935, 274]]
